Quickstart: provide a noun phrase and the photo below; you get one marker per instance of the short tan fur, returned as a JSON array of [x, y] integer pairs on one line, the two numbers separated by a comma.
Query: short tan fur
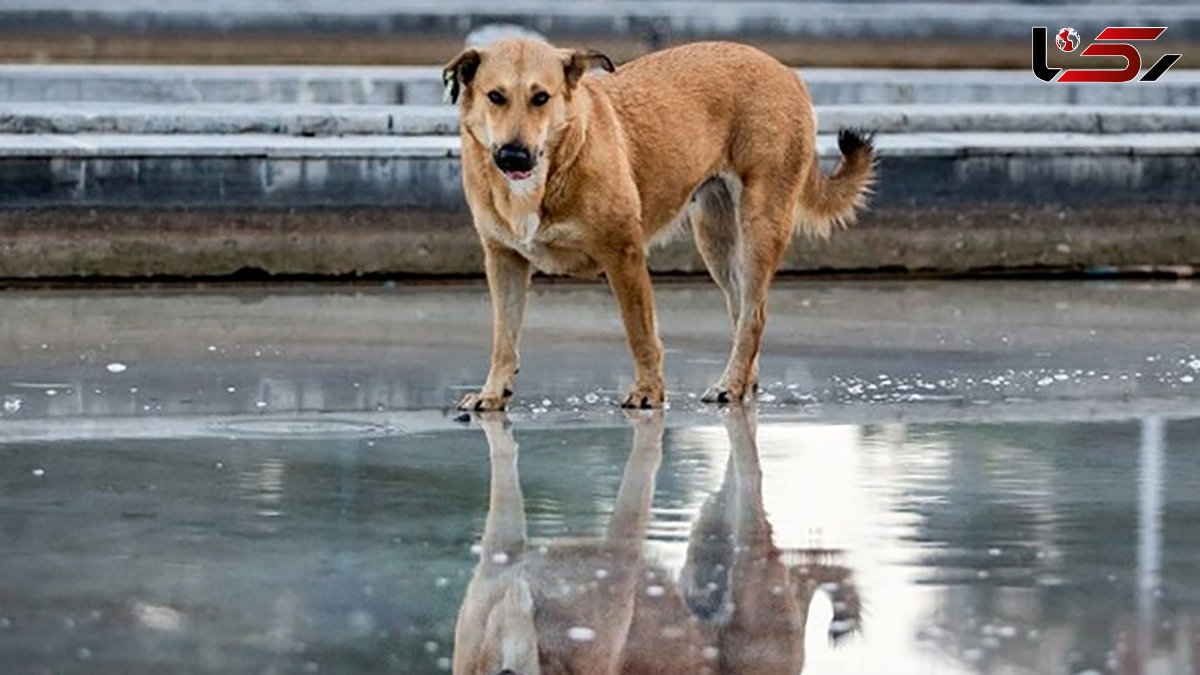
[[572, 173]]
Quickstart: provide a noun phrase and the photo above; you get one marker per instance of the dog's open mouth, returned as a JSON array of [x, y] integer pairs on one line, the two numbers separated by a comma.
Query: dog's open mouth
[[518, 175]]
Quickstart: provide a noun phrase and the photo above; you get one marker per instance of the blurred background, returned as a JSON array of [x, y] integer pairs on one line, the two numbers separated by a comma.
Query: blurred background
[[308, 138]]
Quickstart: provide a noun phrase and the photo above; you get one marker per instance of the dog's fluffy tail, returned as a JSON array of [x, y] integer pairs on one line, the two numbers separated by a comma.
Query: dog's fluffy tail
[[834, 200]]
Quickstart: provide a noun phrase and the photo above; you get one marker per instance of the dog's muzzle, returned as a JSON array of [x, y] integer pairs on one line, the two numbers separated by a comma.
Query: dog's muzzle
[[514, 160]]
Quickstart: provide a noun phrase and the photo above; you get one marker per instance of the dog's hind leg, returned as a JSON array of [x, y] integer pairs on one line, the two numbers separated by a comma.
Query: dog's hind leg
[[766, 220], [712, 213]]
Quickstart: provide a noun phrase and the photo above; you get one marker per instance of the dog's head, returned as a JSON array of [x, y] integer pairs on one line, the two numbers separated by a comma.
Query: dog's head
[[515, 98]]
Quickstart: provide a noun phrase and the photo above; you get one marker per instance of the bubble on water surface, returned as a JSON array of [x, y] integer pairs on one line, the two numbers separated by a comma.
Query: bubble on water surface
[[581, 634], [115, 367], [313, 427]]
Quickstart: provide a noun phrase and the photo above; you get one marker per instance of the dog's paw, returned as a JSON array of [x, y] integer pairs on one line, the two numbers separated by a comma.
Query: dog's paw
[[644, 397], [723, 393], [727, 392], [482, 402]]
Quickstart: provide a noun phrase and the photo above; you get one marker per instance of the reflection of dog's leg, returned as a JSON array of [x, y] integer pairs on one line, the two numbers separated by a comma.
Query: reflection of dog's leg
[[661, 634], [631, 512], [495, 630], [704, 578], [504, 532], [765, 632]]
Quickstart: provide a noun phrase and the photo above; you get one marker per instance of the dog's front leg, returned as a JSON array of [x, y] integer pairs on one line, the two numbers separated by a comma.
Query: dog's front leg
[[508, 276], [629, 278]]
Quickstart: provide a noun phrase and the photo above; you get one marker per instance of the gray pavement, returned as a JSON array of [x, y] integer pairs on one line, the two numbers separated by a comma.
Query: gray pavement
[[1009, 350]]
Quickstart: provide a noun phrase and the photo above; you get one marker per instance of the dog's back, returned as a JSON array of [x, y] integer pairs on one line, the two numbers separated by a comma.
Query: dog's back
[[706, 109]]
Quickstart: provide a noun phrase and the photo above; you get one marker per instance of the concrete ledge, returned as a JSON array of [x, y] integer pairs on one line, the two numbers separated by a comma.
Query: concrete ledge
[[939, 236], [416, 120], [422, 85], [682, 18], [211, 171]]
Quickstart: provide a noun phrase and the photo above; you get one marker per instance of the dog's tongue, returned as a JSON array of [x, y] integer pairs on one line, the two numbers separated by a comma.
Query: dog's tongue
[[517, 175]]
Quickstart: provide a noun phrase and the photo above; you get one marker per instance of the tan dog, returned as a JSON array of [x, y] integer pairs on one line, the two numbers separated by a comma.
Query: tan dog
[[599, 606], [573, 174]]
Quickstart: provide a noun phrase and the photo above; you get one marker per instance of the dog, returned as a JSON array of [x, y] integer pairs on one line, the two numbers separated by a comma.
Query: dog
[[568, 172], [598, 606]]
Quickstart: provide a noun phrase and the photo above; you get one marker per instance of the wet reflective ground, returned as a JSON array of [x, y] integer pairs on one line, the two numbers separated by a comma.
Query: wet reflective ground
[[997, 477]]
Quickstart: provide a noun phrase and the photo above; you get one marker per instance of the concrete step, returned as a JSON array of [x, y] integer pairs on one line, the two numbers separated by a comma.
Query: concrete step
[[689, 19], [416, 120], [422, 85], [259, 170], [296, 119]]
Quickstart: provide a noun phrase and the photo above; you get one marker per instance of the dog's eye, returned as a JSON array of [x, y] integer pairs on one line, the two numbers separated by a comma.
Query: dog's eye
[[539, 99], [496, 97]]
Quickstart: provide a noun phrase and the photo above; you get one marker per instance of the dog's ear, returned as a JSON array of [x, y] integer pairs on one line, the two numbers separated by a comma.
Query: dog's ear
[[579, 61], [459, 72]]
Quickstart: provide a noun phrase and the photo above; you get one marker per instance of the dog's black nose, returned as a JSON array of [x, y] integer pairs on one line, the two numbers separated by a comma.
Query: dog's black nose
[[513, 158], [507, 671]]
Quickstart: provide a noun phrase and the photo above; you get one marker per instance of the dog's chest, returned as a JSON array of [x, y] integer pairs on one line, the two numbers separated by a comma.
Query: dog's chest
[[553, 248]]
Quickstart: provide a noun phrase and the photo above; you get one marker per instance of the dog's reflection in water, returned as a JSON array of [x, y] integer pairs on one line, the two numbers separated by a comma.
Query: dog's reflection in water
[[599, 606]]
